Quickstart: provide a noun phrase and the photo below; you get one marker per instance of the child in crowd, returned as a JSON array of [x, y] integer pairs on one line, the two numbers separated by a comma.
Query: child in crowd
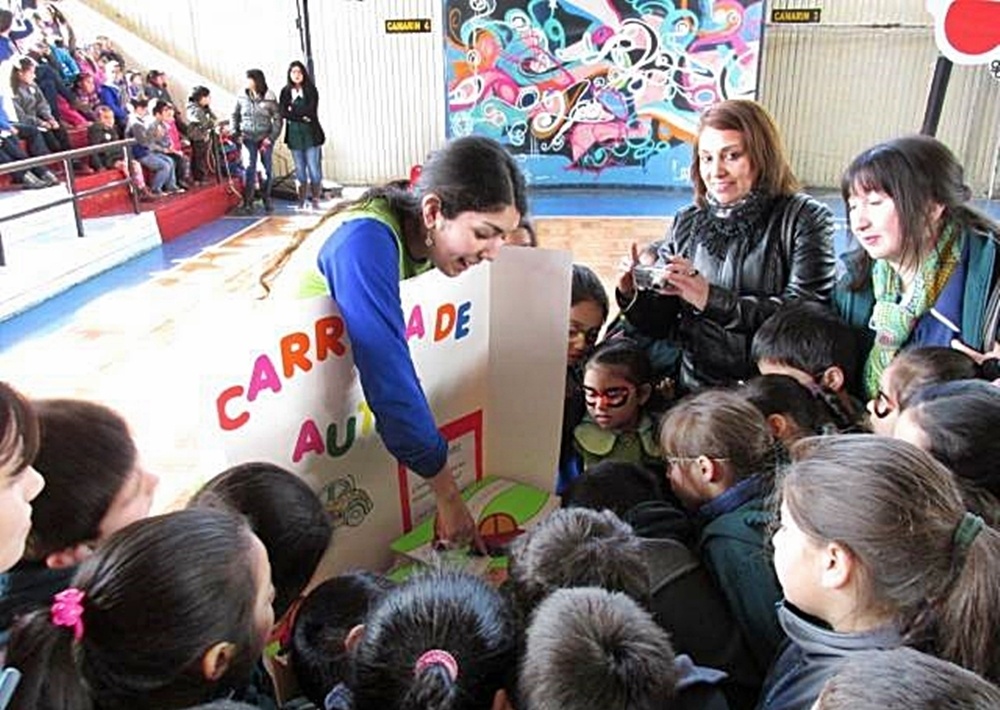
[[721, 458], [95, 486], [905, 679], [284, 513], [590, 648], [811, 343], [876, 550], [11, 150], [19, 482], [168, 613], [158, 164], [167, 140], [791, 410], [103, 130], [576, 547], [442, 640], [958, 424], [317, 651], [33, 110], [85, 89], [582, 547], [587, 313], [136, 85], [907, 373], [524, 235], [201, 126], [114, 93], [617, 388], [618, 486]]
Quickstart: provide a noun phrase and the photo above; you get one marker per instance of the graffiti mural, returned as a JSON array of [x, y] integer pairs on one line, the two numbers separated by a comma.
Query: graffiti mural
[[597, 91]]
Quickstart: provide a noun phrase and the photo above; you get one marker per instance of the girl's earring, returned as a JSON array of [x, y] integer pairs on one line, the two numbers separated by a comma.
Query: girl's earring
[[429, 239]]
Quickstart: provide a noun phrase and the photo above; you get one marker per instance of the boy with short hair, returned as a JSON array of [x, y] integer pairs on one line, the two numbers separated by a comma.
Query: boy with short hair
[[590, 648], [808, 341], [103, 130]]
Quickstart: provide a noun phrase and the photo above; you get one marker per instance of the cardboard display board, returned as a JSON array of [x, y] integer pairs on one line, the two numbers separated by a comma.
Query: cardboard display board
[[489, 347]]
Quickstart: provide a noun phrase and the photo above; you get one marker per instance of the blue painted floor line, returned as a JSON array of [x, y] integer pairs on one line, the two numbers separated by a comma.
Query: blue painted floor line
[[56, 312]]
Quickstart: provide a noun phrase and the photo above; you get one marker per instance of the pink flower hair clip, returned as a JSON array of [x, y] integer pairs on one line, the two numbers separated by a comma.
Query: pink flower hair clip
[[67, 610]]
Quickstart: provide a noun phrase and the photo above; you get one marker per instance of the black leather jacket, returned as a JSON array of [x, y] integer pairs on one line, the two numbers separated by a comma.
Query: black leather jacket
[[794, 259]]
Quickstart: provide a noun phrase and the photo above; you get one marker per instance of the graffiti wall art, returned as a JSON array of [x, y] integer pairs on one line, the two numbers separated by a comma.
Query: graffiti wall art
[[600, 92]]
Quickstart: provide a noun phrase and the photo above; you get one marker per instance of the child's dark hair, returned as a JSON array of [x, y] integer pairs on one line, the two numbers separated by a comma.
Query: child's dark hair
[[626, 357], [617, 486], [905, 678], [916, 367], [284, 513], [317, 654], [139, 103], [448, 613], [19, 433], [784, 395], [588, 287], [198, 93], [468, 174], [960, 421], [808, 336], [721, 425], [923, 559], [156, 596], [86, 454], [590, 648], [576, 547]]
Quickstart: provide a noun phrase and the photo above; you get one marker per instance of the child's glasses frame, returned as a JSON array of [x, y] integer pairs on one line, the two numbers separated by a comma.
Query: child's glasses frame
[[882, 405]]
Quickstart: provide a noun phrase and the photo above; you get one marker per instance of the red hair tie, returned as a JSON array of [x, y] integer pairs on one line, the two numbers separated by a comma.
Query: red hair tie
[[436, 656], [67, 610]]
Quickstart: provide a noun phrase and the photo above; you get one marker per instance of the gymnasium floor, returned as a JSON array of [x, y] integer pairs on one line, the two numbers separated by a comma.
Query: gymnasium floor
[[130, 337]]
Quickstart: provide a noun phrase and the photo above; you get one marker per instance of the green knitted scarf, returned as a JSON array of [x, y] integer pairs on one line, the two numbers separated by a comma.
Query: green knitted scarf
[[894, 317]]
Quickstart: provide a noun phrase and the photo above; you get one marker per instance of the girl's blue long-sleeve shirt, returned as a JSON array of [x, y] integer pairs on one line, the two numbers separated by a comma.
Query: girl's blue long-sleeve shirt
[[360, 262]]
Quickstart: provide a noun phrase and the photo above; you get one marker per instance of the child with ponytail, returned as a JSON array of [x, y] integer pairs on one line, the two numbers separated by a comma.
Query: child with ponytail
[[876, 550], [722, 458], [169, 612], [443, 641]]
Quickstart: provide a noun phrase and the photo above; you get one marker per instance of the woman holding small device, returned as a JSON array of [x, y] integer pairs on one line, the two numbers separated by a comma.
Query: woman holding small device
[[748, 243]]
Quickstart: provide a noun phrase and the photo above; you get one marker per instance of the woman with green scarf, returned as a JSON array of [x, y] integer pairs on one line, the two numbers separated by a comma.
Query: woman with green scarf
[[926, 272]]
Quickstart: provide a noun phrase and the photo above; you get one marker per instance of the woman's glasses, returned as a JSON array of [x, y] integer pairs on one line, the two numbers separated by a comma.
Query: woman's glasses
[[613, 397]]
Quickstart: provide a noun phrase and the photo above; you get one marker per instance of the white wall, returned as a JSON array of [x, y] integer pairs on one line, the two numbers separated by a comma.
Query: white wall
[[862, 76]]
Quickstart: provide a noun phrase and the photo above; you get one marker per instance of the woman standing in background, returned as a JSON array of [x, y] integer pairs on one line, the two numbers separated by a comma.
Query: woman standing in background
[[304, 136], [257, 122]]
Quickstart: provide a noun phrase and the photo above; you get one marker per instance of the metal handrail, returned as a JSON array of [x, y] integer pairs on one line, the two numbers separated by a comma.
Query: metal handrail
[[67, 157]]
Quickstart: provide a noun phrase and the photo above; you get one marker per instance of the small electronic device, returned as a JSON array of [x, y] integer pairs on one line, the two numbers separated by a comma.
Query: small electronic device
[[651, 276]]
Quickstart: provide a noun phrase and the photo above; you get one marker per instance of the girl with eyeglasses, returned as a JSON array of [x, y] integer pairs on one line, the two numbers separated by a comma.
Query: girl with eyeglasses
[[588, 310], [722, 459], [910, 371], [617, 387]]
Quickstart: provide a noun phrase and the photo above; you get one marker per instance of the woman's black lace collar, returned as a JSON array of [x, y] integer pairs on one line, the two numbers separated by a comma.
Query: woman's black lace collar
[[717, 226]]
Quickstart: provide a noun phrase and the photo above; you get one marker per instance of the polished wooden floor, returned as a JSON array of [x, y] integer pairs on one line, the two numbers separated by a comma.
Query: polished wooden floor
[[138, 348]]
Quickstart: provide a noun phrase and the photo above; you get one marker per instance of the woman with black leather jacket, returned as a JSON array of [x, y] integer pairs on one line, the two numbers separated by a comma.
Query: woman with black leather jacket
[[749, 242]]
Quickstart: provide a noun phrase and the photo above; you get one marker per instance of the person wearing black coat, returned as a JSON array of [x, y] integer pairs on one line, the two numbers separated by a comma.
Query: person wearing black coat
[[749, 243], [304, 135]]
